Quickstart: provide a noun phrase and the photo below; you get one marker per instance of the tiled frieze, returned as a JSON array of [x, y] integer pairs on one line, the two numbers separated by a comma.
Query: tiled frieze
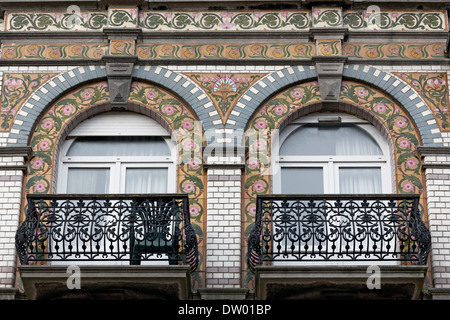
[[54, 51], [394, 50], [228, 21], [395, 20], [433, 88], [69, 20], [285, 20], [225, 51]]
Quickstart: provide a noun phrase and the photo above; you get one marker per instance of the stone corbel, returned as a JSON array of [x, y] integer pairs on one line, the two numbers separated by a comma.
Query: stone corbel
[[119, 70], [329, 73]]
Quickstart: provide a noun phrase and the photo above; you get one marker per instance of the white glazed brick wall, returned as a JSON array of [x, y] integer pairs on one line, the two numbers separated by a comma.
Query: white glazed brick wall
[[225, 68], [10, 202], [223, 248], [438, 201]]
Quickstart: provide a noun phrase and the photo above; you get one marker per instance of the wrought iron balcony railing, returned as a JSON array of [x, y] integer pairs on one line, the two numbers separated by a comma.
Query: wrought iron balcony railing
[[114, 228], [312, 228]]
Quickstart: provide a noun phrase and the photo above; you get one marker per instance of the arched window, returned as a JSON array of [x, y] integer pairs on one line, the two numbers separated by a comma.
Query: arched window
[[332, 153], [117, 152]]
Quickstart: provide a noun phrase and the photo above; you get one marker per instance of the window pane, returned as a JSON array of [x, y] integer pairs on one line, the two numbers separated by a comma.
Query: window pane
[[339, 139], [88, 180], [146, 180], [360, 180], [119, 146], [302, 180]]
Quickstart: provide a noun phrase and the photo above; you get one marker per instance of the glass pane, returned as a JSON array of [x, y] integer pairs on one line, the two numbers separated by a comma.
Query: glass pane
[[302, 181], [146, 180], [339, 139], [119, 146], [360, 180], [88, 180]]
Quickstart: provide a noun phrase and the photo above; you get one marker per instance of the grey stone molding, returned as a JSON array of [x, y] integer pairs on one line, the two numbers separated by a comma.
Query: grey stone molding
[[14, 151], [433, 151], [329, 73], [49, 282], [195, 98], [119, 70], [401, 92]]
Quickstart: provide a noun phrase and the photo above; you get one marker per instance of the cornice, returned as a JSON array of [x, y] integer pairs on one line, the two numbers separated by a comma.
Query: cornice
[[25, 152], [433, 151]]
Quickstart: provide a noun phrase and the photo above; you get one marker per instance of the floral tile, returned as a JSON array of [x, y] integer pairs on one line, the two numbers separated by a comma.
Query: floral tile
[[16, 88], [122, 47], [329, 47], [226, 51], [433, 88], [225, 89], [53, 51], [124, 17], [394, 50], [326, 17], [283, 20]]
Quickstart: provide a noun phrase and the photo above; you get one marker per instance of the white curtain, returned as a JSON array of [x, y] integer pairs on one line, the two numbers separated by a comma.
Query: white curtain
[[302, 181], [354, 141], [329, 140], [146, 180], [119, 146], [360, 180], [88, 180]]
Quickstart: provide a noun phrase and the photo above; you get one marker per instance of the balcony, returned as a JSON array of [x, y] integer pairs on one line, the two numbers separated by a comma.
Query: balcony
[[325, 246], [136, 245]]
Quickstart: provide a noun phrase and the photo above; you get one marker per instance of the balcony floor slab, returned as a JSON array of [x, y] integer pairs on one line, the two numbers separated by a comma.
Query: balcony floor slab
[[46, 282], [339, 282]]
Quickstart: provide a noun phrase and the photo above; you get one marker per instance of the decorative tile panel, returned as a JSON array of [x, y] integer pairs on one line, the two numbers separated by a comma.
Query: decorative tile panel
[[122, 17], [56, 21], [394, 50], [225, 89], [122, 47], [326, 17], [329, 47], [226, 51], [396, 20], [284, 20], [54, 51], [16, 88], [433, 88]]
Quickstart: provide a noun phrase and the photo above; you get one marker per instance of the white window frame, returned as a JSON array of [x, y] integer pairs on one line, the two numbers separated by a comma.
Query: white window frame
[[117, 164], [331, 164]]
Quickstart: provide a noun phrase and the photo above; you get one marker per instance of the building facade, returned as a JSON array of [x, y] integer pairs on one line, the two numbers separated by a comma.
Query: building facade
[[227, 103]]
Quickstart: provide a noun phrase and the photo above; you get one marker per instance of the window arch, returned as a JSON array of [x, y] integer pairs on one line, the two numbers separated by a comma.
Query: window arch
[[117, 152], [332, 153]]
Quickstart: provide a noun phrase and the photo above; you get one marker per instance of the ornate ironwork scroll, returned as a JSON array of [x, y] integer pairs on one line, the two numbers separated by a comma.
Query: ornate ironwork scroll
[[107, 228], [312, 228]]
